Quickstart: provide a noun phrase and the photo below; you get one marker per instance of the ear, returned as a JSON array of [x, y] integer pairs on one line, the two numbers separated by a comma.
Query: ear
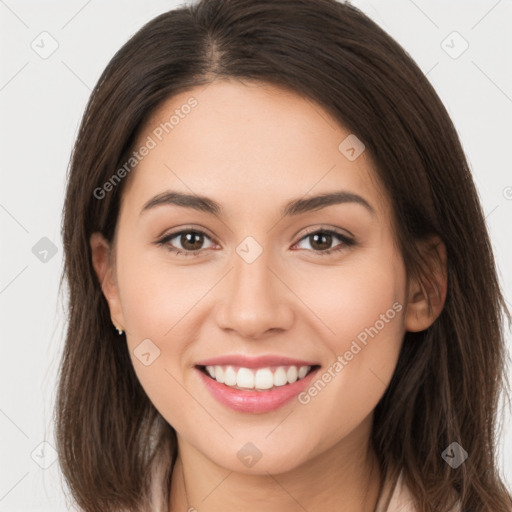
[[432, 284], [103, 263]]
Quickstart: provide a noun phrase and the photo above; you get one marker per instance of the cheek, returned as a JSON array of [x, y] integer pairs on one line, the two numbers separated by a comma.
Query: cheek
[[156, 300], [355, 295], [362, 303], [156, 293]]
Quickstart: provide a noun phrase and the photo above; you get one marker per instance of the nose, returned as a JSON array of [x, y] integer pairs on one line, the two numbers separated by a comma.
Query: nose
[[255, 301]]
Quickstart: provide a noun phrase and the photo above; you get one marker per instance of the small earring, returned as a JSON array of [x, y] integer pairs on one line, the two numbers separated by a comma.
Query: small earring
[[119, 330]]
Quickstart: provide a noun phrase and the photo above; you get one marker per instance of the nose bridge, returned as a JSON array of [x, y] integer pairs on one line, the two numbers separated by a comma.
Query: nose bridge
[[251, 274], [256, 300]]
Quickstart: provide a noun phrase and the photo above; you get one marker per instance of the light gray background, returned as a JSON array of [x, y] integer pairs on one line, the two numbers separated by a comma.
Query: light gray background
[[41, 102]]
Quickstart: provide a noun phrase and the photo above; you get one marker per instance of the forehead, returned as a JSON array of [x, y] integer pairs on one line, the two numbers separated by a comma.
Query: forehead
[[250, 145]]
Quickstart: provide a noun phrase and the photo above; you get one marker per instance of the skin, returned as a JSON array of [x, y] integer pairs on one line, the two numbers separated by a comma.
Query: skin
[[252, 147]]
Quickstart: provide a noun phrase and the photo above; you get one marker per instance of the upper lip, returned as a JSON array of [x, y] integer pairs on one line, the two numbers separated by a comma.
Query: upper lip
[[254, 362]]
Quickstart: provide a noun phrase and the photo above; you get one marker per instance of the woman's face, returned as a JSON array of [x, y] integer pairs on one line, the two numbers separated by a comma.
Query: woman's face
[[261, 284]]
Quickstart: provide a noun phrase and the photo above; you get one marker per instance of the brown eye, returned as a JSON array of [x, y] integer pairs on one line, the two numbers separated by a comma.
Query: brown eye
[[188, 242], [191, 240], [320, 241]]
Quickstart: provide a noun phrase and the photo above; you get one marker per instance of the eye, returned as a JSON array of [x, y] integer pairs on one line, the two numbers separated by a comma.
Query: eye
[[191, 241], [322, 240]]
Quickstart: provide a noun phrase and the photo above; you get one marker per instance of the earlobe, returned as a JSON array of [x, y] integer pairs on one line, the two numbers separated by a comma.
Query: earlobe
[[427, 293], [103, 264]]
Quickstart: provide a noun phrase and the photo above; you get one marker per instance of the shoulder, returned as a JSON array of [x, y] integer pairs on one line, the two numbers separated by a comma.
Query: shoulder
[[396, 497]]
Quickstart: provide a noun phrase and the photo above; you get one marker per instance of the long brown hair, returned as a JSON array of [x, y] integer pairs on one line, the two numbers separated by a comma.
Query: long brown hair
[[447, 383]]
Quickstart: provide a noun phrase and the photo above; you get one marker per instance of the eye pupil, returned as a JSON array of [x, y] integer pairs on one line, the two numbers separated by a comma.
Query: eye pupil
[[327, 244], [185, 240]]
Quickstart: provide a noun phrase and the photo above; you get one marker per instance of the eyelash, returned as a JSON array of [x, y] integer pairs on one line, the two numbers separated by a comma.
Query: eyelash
[[346, 242]]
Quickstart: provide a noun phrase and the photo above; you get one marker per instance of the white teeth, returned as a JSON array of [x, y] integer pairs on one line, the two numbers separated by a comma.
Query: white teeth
[[291, 374], [245, 378], [264, 379], [229, 376], [219, 374], [280, 377], [260, 379], [302, 371]]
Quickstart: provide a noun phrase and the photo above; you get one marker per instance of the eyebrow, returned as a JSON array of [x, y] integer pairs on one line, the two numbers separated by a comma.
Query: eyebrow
[[291, 208]]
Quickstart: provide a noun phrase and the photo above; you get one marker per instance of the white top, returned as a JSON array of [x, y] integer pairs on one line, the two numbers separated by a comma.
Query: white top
[[395, 498], [398, 498]]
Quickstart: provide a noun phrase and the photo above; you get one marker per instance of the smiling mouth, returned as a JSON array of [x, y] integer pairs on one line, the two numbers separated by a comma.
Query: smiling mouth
[[257, 379]]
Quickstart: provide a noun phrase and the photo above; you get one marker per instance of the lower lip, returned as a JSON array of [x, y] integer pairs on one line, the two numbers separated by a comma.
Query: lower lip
[[255, 401]]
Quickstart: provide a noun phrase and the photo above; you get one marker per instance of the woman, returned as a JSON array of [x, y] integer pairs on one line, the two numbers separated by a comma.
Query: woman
[[282, 291]]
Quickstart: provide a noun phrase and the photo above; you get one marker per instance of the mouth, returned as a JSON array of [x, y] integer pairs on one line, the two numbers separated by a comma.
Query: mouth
[[257, 385], [262, 379]]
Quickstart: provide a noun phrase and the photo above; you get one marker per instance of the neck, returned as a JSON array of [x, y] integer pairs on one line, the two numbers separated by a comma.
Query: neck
[[344, 478]]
